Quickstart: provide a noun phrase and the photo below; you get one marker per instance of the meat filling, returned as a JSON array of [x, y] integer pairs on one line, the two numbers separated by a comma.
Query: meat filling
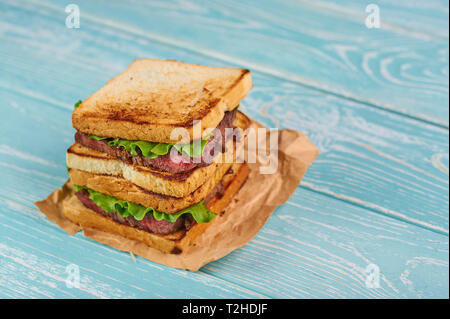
[[149, 223], [164, 163]]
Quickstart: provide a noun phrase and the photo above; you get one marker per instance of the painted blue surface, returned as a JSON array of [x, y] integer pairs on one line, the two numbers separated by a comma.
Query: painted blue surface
[[288, 39], [374, 102]]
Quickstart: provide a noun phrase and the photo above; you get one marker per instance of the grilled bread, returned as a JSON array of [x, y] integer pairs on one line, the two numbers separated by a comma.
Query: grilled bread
[[152, 97], [164, 183], [124, 189], [174, 243]]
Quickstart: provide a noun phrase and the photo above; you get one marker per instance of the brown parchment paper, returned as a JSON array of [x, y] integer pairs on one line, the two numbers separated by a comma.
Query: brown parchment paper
[[243, 218]]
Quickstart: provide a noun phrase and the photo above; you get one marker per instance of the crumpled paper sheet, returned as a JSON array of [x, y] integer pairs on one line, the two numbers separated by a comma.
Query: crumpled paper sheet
[[243, 218]]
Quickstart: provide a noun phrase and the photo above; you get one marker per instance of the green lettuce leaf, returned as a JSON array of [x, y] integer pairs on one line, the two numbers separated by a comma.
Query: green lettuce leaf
[[193, 149], [77, 104], [124, 208], [153, 150], [145, 147], [97, 138]]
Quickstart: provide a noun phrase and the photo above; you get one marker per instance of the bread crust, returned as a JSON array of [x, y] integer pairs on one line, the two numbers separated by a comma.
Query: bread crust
[[165, 183], [126, 190], [174, 243], [152, 97], [170, 184]]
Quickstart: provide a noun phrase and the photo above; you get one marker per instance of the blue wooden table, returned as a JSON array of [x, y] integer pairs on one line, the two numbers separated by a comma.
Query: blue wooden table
[[373, 100]]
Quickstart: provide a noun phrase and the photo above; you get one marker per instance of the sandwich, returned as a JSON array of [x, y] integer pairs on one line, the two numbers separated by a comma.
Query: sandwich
[[134, 177]]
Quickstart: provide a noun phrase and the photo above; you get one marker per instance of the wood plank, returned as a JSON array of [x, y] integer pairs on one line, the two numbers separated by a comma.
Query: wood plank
[[320, 245], [35, 254], [425, 19], [318, 48], [390, 164], [384, 162], [313, 247]]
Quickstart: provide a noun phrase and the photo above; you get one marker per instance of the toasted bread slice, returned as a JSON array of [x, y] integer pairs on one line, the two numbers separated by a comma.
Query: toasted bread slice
[[152, 97], [126, 190], [174, 243], [164, 183]]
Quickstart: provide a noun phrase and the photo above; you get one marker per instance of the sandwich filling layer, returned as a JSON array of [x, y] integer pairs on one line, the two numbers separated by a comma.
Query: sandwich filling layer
[[158, 155], [147, 219]]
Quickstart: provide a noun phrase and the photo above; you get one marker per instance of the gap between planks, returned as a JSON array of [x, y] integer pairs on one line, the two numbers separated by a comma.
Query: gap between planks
[[205, 273], [342, 12], [350, 200], [257, 68], [374, 208], [267, 72]]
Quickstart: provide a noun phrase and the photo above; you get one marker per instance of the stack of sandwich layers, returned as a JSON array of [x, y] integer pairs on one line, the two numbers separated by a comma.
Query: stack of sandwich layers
[[132, 178]]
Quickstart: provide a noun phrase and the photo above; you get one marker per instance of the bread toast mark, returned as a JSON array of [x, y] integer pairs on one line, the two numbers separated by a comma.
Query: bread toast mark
[[152, 96], [174, 243]]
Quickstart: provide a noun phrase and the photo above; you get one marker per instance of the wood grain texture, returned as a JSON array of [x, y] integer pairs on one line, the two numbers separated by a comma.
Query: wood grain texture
[[311, 247], [35, 254], [385, 162], [378, 192], [421, 19], [315, 248], [309, 45]]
